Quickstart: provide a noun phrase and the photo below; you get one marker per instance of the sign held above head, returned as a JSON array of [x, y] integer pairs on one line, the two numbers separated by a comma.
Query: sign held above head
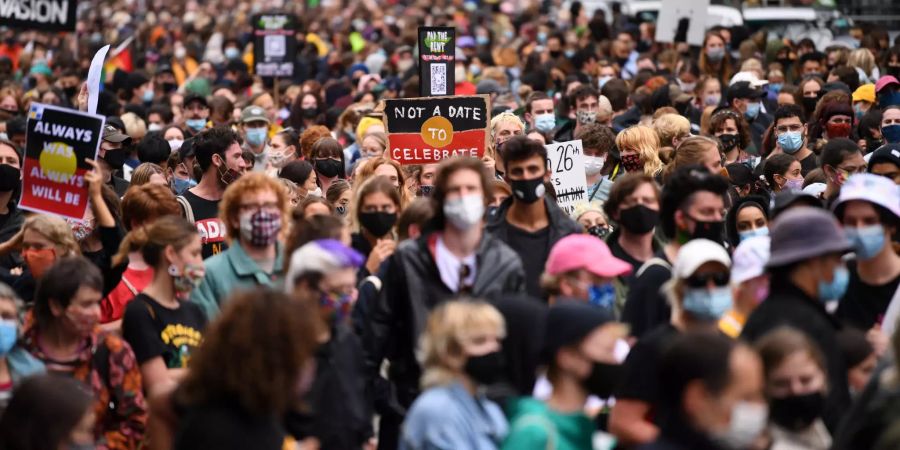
[[427, 130]]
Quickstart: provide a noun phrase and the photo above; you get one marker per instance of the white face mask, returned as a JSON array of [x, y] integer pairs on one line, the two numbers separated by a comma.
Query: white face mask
[[317, 192], [747, 422], [460, 73], [154, 127], [464, 212], [593, 164], [175, 144]]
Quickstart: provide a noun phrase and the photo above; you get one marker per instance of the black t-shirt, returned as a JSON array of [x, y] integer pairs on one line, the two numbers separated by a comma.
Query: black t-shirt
[[646, 306], [864, 305], [206, 218], [808, 164], [619, 252], [225, 425], [533, 248], [641, 378], [154, 330]]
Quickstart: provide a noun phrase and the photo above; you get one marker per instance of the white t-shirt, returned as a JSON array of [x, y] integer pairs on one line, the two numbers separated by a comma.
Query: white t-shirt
[[449, 266]]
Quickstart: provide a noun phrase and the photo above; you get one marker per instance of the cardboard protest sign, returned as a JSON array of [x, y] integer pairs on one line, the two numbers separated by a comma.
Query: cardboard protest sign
[[43, 15], [565, 160], [437, 61], [274, 44], [672, 12], [427, 130], [58, 142]]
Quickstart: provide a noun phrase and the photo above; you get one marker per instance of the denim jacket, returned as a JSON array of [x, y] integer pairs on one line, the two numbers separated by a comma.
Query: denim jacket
[[448, 417]]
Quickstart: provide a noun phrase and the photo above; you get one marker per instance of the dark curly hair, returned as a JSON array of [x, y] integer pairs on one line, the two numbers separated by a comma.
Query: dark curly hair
[[680, 189], [274, 336], [213, 141]]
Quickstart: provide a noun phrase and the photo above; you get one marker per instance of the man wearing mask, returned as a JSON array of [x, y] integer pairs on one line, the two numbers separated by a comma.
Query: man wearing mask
[[886, 162], [805, 271], [255, 128], [196, 114], [579, 351], [840, 159], [527, 220], [890, 124], [218, 154], [112, 156], [458, 258], [744, 98], [11, 217], [692, 207], [586, 101], [539, 113], [711, 394], [791, 136]]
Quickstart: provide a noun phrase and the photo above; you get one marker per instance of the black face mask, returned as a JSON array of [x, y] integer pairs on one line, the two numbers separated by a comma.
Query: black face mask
[[424, 190], [329, 168], [729, 141], [116, 158], [797, 412], [598, 231], [528, 191], [486, 369], [809, 104], [714, 231], [9, 178], [603, 379], [893, 71], [169, 87], [71, 91], [378, 223], [639, 219], [310, 113]]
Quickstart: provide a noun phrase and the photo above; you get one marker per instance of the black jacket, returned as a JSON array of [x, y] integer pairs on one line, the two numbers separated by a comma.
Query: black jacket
[[412, 287], [787, 305], [10, 224]]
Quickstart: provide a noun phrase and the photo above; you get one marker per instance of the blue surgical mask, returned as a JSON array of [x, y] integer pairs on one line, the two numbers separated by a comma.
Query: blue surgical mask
[[867, 241], [475, 70], [707, 304], [891, 134], [569, 53], [857, 110], [9, 333], [482, 40], [256, 136], [148, 96], [775, 88], [835, 289], [791, 141], [179, 185], [752, 110], [545, 123], [232, 53], [602, 295], [542, 38], [762, 231], [603, 80], [195, 124]]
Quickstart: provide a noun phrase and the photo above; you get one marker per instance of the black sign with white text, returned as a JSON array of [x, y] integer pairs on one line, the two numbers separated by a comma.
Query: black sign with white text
[[44, 15]]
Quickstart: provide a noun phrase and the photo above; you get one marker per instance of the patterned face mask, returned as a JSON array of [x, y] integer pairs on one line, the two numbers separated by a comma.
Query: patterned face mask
[[260, 228], [632, 163], [186, 280], [81, 228], [336, 307]]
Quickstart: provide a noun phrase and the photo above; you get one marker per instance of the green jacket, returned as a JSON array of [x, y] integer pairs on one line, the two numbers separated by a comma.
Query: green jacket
[[534, 426], [229, 271]]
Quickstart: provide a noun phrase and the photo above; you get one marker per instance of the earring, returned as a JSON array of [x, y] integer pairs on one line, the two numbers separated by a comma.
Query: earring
[[173, 271]]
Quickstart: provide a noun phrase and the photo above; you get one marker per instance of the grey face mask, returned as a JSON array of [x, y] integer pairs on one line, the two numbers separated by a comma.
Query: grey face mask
[[586, 117]]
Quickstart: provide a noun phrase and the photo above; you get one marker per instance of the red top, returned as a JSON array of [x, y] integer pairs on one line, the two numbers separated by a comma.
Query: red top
[[133, 282]]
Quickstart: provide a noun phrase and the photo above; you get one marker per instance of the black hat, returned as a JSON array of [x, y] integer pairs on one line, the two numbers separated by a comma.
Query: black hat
[[187, 149], [570, 322], [887, 153], [188, 99], [164, 68], [739, 174], [743, 89], [112, 134], [788, 198], [836, 86], [136, 80]]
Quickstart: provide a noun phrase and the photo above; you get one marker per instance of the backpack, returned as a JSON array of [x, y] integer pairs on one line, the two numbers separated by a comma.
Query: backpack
[[186, 206]]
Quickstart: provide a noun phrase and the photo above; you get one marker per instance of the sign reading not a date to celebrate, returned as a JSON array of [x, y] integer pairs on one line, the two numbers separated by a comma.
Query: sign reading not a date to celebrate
[[565, 160], [430, 129], [57, 144]]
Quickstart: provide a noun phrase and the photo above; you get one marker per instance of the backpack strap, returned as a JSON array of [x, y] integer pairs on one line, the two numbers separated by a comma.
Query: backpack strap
[[375, 281], [129, 285], [654, 261], [186, 206]]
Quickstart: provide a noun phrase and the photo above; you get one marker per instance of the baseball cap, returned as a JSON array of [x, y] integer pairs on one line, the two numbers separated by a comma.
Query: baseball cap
[[321, 256], [750, 259], [743, 89], [885, 81], [889, 153], [112, 134], [677, 95], [749, 77], [815, 189], [788, 198], [871, 188], [583, 251], [254, 114], [193, 97], [570, 322], [803, 233], [696, 253], [489, 86], [865, 93], [836, 86]]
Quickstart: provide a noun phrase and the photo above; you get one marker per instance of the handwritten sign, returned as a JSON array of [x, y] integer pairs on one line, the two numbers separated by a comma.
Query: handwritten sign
[[57, 144], [566, 163], [430, 129], [437, 61], [274, 44]]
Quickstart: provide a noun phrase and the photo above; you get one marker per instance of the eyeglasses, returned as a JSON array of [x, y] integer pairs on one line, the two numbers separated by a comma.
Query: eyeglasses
[[785, 128], [698, 281], [267, 207]]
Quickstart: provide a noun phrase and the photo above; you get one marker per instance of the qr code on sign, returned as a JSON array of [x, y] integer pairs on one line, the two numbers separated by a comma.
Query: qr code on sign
[[438, 79]]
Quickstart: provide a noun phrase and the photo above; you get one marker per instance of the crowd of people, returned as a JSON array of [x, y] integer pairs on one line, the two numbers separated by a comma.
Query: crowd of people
[[254, 271]]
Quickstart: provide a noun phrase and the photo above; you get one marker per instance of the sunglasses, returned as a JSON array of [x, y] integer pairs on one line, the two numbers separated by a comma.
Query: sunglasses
[[699, 281]]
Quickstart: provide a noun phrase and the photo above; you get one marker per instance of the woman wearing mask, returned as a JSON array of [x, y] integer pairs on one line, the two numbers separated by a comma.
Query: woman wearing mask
[[327, 158], [302, 174], [639, 150], [708, 93], [748, 217], [634, 205], [581, 268], [49, 412], [714, 59], [43, 240], [65, 337], [461, 349], [809, 93], [283, 149], [339, 197], [389, 169], [15, 362], [306, 112], [253, 211], [375, 212], [783, 173], [835, 120], [699, 295], [373, 145], [699, 150], [796, 386], [592, 218], [732, 130], [163, 328]]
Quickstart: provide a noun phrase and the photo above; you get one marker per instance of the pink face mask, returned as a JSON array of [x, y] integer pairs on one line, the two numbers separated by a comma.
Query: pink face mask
[[761, 292]]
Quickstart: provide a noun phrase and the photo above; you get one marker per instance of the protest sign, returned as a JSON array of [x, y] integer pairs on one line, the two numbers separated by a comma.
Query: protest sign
[[672, 12], [437, 61], [427, 130], [565, 160], [95, 73], [274, 44], [57, 144], [43, 15]]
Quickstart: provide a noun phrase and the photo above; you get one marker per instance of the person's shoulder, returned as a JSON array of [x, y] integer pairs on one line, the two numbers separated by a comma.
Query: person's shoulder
[[139, 306], [436, 402]]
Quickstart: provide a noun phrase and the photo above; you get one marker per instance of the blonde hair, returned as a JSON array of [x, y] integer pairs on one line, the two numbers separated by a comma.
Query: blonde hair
[[645, 141], [863, 59], [134, 126], [367, 171], [505, 117], [143, 172], [691, 151], [669, 127], [447, 328], [56, 230]]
